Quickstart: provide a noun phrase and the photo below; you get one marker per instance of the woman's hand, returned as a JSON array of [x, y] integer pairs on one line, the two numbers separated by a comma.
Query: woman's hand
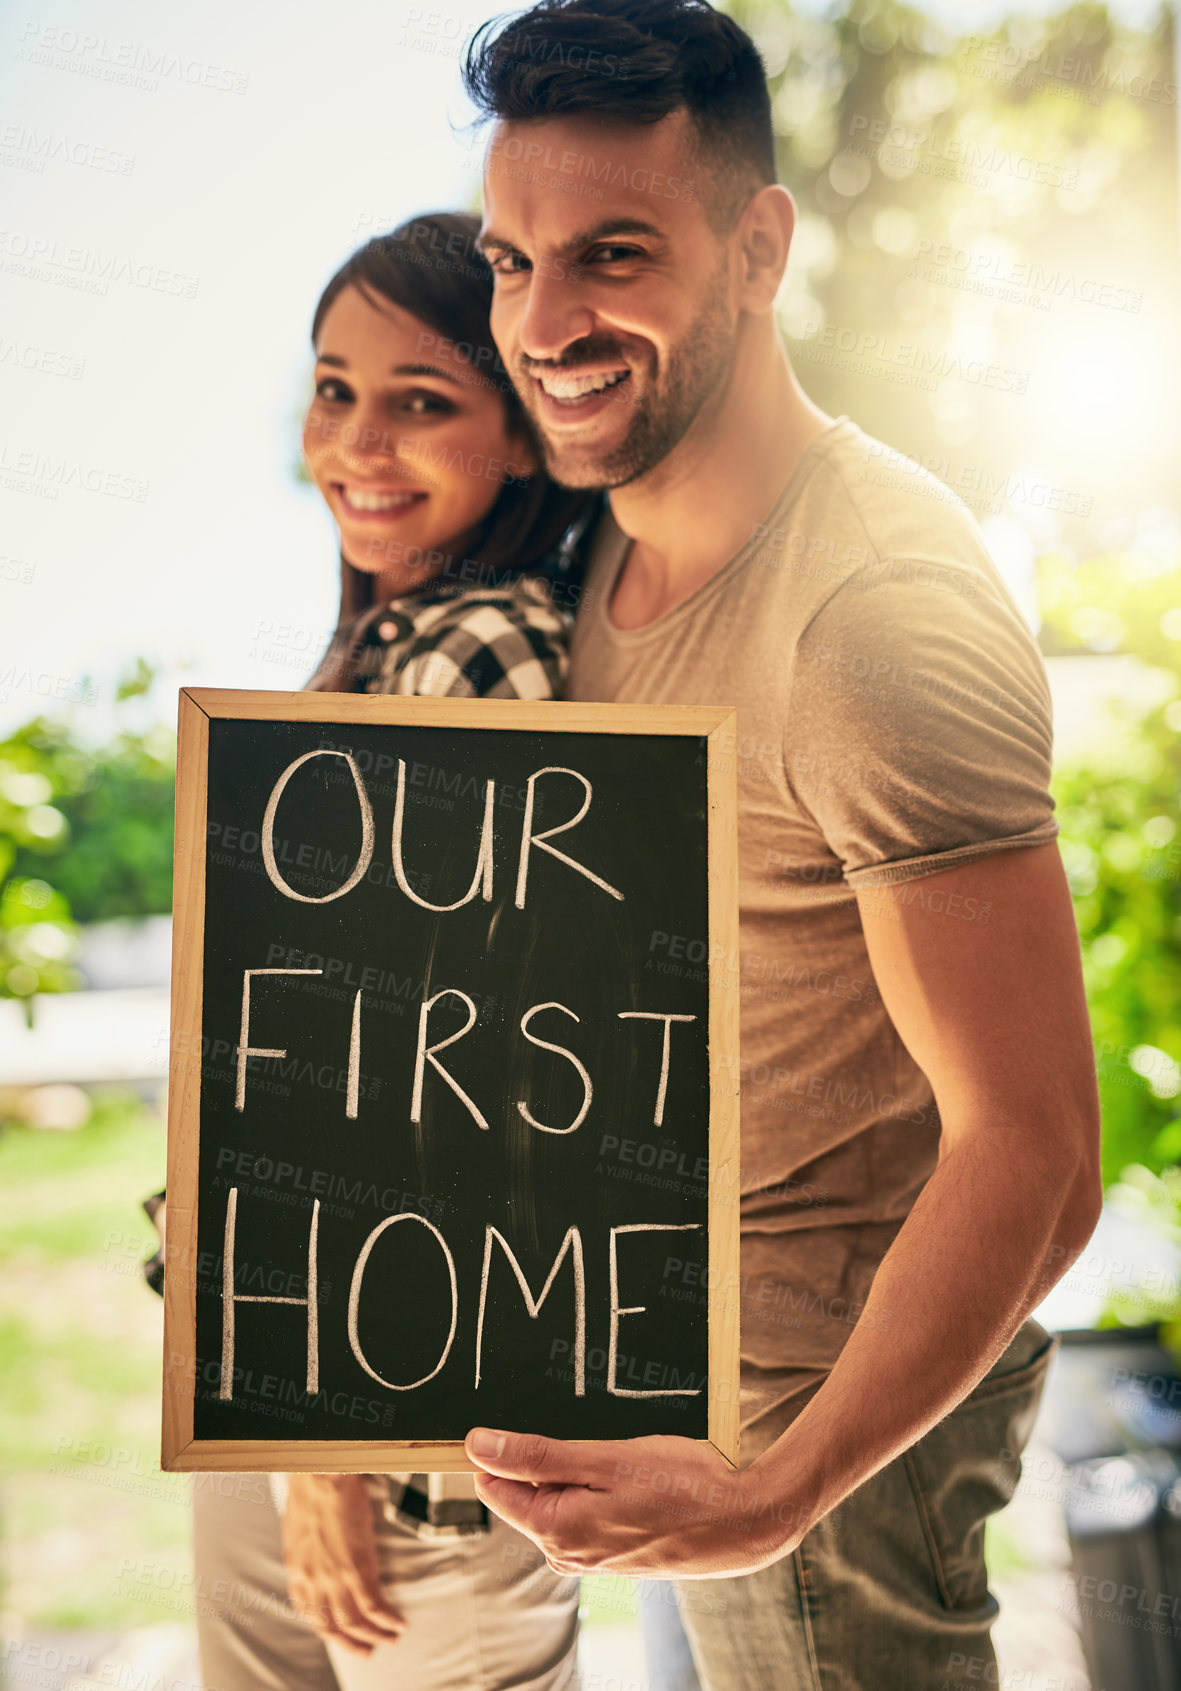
[[331, 1555]]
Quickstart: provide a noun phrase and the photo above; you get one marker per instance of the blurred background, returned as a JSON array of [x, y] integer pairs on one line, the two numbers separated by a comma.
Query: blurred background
[[985, 276]]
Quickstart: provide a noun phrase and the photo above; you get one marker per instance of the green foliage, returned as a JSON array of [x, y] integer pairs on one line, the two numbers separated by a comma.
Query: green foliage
[[1127, 601], [36, 934], [1152, 1203], [1121, 842], [85, 834], [117, 804], [137, 681], [964, 197], [36, 938]]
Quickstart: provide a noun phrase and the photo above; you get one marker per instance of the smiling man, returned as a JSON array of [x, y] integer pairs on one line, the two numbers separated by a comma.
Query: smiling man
[[919, 1115]]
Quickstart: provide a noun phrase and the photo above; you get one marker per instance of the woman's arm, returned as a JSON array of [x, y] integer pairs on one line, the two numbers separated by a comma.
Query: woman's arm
[[491, 643], [330, 1550]]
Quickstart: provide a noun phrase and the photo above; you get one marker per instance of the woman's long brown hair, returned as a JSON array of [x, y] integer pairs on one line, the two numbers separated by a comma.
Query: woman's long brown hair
[[432, 268]]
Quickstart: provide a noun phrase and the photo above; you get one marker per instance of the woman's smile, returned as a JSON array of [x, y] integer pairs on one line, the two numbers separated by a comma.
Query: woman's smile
[[372, 502]]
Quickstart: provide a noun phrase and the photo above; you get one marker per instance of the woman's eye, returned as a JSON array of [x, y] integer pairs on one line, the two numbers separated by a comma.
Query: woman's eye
[[333, 389], [426, 404]]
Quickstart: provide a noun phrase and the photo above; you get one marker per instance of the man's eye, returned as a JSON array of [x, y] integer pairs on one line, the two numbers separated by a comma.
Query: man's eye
[[333, 390], [614, 253], [509, 264]]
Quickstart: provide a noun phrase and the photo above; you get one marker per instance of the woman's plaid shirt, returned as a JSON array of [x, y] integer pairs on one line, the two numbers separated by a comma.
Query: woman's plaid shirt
[[505, 642], [484, 642]]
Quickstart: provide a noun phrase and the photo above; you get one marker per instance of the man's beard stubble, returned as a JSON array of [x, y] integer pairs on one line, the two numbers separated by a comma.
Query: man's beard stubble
[[697, 367]]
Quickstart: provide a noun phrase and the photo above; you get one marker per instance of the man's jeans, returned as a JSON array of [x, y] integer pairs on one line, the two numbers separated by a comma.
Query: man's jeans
[[889, 1592]]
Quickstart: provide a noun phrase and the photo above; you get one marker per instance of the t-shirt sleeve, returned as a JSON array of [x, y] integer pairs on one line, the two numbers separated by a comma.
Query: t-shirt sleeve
[[919, 726], [499, 646]]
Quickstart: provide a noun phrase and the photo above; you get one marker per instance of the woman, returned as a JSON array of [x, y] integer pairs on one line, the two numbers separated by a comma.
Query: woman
[[458, 577], [429, 467]]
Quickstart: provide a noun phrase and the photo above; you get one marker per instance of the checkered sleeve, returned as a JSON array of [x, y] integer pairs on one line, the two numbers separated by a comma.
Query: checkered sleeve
[[497, 643]]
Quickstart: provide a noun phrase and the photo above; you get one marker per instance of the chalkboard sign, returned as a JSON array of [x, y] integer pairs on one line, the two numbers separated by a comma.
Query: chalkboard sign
[[453, 1133]]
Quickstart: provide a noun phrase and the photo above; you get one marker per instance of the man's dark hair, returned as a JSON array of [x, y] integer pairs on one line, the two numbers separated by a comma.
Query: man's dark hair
[[635, 61]]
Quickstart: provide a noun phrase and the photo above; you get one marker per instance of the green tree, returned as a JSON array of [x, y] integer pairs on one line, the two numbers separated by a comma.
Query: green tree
[[85, 834], [36, 933], [116, 804], [963, 198], [1121, 842]]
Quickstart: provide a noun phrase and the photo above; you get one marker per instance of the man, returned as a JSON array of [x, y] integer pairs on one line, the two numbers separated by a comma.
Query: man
[[919, 1114]]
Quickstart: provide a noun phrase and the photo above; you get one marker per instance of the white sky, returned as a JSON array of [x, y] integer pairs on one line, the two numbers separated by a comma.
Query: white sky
[[259, 195], [342, 128]]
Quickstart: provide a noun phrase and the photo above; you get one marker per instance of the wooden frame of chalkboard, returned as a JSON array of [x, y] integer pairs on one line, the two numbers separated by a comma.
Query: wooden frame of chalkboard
[[675, 814]]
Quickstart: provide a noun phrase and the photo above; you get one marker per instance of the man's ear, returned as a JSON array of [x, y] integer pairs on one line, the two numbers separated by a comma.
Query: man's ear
[[763, 240]]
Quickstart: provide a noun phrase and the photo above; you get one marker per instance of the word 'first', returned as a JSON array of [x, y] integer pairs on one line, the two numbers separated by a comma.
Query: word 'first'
[[426, 1052]]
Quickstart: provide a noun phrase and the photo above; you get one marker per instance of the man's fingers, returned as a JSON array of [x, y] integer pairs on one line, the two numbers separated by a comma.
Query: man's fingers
[[529, 1456], [515, 1501], [536, 1511], [553, 1517]]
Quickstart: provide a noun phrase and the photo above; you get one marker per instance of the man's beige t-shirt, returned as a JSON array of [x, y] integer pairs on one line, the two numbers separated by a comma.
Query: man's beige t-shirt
[[893, 720]]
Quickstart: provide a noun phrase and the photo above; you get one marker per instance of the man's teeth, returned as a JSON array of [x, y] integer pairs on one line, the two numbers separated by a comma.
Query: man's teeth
[[362, 501], [567, 385]]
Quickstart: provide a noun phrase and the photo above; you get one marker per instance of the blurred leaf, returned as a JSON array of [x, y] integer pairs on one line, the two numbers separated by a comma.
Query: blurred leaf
[[1120, 814], [137, 681], [85, 834]]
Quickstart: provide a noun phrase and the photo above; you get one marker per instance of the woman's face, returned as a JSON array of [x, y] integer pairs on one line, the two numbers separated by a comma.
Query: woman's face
[[407, 442]]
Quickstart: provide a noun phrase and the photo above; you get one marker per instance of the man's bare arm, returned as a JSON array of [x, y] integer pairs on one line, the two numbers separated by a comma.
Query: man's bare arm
[[994, 1014]]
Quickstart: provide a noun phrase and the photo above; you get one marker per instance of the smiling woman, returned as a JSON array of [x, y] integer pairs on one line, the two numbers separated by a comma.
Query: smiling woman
[[458, 576], [407, 442], [415, 436]]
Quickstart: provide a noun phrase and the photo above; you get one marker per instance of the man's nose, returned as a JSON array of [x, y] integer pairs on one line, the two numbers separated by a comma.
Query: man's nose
[[555, 316]]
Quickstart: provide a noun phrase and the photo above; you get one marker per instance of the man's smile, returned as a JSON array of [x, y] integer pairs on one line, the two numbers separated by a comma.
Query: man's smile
[[573, 397], [570, 386]]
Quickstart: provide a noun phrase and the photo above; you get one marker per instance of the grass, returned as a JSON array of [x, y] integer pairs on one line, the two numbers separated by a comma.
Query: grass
[[93, 1534], [86, 1510]]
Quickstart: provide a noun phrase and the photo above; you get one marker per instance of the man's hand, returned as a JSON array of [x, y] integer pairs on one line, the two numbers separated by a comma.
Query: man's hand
[[993, 1011], [664, 1507], [331, 1557]]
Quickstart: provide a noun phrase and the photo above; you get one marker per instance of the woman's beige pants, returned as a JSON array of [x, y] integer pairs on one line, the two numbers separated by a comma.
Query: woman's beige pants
[[483, 1611]]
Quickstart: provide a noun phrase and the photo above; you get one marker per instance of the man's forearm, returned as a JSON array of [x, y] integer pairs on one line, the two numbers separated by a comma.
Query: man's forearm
[[978, 1252]]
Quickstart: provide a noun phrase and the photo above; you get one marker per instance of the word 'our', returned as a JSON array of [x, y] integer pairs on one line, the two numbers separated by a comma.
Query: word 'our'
[[481, 879]]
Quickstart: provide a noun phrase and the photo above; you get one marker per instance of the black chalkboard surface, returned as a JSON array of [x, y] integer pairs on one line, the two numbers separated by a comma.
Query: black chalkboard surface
[[452, 1117]]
